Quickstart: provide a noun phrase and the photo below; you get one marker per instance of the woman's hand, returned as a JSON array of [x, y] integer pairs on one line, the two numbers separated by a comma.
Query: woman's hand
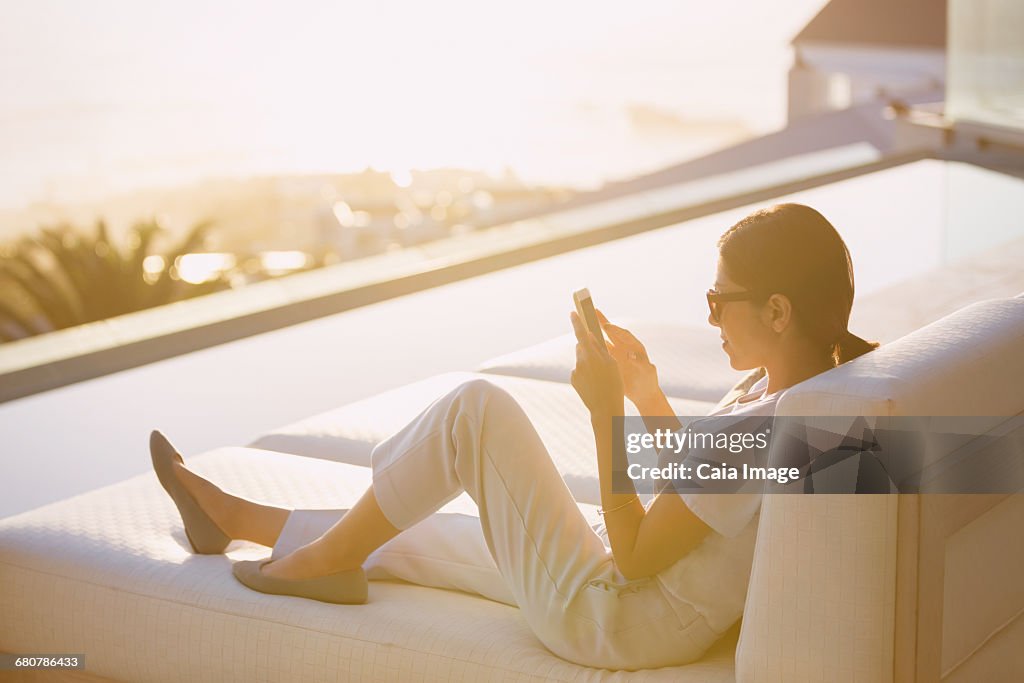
[[639, 375], [596, 377]]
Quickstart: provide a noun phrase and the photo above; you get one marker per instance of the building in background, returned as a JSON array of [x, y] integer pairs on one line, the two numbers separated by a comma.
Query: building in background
[[861, 51]]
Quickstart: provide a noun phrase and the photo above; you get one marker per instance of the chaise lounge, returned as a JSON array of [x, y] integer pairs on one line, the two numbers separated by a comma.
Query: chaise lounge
[[843, 588]]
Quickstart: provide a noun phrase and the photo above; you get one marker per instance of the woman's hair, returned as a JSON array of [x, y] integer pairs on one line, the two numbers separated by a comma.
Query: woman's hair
[[792, 249]]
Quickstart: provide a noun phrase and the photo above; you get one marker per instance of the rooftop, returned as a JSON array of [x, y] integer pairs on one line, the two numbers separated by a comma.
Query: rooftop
[[906, 23]]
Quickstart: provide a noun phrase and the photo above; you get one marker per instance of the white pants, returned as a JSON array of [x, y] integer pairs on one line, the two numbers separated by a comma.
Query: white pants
[[530, 545]]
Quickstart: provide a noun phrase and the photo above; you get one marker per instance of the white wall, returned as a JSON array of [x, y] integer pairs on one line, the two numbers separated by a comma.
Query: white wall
[[828, 77]]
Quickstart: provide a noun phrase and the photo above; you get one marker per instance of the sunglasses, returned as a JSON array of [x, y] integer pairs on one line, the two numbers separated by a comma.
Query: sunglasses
[[717, 299]]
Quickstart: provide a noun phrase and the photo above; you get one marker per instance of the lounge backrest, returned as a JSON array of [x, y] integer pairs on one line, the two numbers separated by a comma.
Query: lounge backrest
[[822, 600], [959, 365]]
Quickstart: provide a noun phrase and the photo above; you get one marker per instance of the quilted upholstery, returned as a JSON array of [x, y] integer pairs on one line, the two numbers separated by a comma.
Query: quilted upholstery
[[109, 573], [348, 434]]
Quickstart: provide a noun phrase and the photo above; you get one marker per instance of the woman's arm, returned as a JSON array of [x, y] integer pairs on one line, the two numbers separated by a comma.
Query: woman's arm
[[639, 377], [657, 412], [643, 541]]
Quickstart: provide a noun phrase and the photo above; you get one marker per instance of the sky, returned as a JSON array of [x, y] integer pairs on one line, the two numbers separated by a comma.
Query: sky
[[111, 95]]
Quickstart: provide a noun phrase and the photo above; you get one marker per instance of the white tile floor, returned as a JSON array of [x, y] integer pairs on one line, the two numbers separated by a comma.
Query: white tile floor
[[66, 441]]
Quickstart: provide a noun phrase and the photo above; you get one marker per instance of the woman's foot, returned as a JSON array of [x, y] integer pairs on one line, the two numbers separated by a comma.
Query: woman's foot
[[203, 532], [347, 587], [211, 499], [306, 562], [343, 547]]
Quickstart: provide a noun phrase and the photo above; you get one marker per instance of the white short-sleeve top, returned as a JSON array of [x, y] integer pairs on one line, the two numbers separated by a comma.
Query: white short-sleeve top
[[712, 578]]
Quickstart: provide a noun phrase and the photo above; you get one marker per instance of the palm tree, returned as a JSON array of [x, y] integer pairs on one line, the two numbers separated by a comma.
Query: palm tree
[[65, 277]]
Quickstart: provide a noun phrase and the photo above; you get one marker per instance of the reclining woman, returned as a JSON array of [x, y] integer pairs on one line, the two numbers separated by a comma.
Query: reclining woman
[[675, 575]]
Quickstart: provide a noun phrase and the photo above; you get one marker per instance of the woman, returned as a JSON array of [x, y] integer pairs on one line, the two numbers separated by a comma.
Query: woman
[[675, 575]]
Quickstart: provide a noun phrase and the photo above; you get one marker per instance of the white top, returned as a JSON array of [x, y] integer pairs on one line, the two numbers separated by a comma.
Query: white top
[[712, 579]]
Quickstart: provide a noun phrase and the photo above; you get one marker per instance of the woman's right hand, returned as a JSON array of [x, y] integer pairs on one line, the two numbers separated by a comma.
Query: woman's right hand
[[639, 374]]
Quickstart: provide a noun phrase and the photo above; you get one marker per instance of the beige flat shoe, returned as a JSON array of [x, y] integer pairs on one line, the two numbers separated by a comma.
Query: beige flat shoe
[[202, 532], [347, 587]]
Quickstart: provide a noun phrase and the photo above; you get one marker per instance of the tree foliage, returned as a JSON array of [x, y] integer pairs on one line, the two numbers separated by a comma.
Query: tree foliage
[[64, 276]]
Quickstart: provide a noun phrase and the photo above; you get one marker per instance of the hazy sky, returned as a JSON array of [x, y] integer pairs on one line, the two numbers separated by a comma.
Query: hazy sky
[[112, 94]]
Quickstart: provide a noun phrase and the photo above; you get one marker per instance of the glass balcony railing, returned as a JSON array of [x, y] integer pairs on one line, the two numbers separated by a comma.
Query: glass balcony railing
[[58, 357], [985, 81]]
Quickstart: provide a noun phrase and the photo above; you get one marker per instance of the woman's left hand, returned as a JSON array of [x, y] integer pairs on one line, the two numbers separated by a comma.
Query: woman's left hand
[[596, 377]]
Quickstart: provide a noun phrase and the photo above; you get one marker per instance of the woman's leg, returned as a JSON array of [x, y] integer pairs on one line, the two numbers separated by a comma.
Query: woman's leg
[[346, 545], [446, 550], [478, 439], [417, 471], [237, 517]]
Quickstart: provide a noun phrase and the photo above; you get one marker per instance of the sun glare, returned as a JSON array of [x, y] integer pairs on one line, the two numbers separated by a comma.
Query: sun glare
[[109, 98]]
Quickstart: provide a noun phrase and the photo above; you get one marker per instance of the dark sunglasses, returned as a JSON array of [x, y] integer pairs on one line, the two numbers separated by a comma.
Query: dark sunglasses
[[717, 299]]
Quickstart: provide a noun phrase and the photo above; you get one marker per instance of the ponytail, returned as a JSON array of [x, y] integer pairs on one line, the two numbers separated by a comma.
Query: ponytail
[[851, 346]]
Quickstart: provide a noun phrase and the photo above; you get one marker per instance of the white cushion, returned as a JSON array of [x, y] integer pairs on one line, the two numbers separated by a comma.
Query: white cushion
[[691, 362], [349, 433], [109, 573]]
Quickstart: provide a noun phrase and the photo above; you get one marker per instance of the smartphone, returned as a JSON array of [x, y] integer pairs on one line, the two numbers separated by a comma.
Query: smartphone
[[585, 310]]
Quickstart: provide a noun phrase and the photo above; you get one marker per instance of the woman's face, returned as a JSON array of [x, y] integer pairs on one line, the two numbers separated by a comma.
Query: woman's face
[[746, 333]]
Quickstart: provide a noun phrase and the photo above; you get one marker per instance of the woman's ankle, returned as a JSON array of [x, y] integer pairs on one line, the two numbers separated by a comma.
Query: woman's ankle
[[217, 504], [326, 562]]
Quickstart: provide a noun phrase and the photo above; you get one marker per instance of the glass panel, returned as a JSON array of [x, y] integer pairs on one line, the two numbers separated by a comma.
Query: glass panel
[[986, 62]]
